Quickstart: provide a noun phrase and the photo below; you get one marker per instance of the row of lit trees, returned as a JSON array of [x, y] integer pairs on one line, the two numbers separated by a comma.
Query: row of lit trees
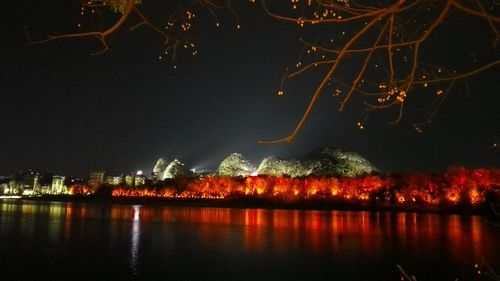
[[455, 186]]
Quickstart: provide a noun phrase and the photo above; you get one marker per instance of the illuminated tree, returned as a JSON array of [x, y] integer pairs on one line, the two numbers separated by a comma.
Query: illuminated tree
[[374, 52]]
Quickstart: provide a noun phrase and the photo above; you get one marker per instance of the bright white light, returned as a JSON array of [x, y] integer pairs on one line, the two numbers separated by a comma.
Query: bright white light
[[139, 173], [28, 192], [254, 174], [135, 240], [137, 210]]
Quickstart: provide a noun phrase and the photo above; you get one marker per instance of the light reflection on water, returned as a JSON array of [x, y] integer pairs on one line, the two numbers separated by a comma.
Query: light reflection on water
[[134, 240], [148, 239]]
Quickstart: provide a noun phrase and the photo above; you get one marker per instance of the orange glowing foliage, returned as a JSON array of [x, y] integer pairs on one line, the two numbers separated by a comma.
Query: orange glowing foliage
[[214, 186], [79, 189], [456, 185], [256, 186]]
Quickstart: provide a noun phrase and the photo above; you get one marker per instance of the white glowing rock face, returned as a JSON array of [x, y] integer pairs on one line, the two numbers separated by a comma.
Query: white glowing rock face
[[321, 162], [235, 165], [273, 166], [159, 168], [341, 162], [174, 169]]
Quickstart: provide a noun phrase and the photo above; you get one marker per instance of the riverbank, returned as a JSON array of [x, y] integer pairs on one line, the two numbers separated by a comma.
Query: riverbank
[[264, 203]]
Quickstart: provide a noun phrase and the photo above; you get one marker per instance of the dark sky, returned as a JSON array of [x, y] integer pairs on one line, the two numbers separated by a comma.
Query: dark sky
[[65, 111]]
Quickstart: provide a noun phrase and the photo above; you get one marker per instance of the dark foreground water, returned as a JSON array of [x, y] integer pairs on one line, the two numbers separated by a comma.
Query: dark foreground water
[[87, 241]]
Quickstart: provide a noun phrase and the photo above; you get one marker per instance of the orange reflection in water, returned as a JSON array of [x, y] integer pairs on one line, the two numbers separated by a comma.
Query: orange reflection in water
[[465, 231], [67, 220], [465, 237], [476, 235], [364, 234]]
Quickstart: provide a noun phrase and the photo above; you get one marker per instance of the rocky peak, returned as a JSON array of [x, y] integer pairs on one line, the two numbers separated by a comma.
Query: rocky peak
[[235, 165], [175, 169]]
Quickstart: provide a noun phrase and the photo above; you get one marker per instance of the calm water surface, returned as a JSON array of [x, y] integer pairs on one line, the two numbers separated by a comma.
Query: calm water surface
[[87, 241]]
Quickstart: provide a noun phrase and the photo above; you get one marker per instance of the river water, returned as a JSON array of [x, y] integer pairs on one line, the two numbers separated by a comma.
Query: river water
[[90, 241]]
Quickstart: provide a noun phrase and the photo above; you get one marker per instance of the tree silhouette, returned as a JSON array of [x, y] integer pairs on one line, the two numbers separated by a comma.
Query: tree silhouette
[[175, 30], [386, 49]]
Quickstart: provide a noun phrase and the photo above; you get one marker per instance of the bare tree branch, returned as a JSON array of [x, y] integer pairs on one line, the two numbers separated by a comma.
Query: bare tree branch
[[102, 36], [403, 73]]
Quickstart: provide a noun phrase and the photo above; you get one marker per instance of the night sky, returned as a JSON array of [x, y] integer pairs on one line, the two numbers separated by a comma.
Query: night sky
[[65, 111]]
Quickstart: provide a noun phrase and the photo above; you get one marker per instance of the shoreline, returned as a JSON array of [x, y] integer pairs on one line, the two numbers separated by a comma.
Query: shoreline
[[484, 209]]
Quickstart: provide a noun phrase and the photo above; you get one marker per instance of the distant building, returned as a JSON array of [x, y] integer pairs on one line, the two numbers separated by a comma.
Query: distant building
[[58, 186], [4, 185], [4, 188], [44, 184], [26, 182], [44, 189], [12, 187], [96, 179]]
